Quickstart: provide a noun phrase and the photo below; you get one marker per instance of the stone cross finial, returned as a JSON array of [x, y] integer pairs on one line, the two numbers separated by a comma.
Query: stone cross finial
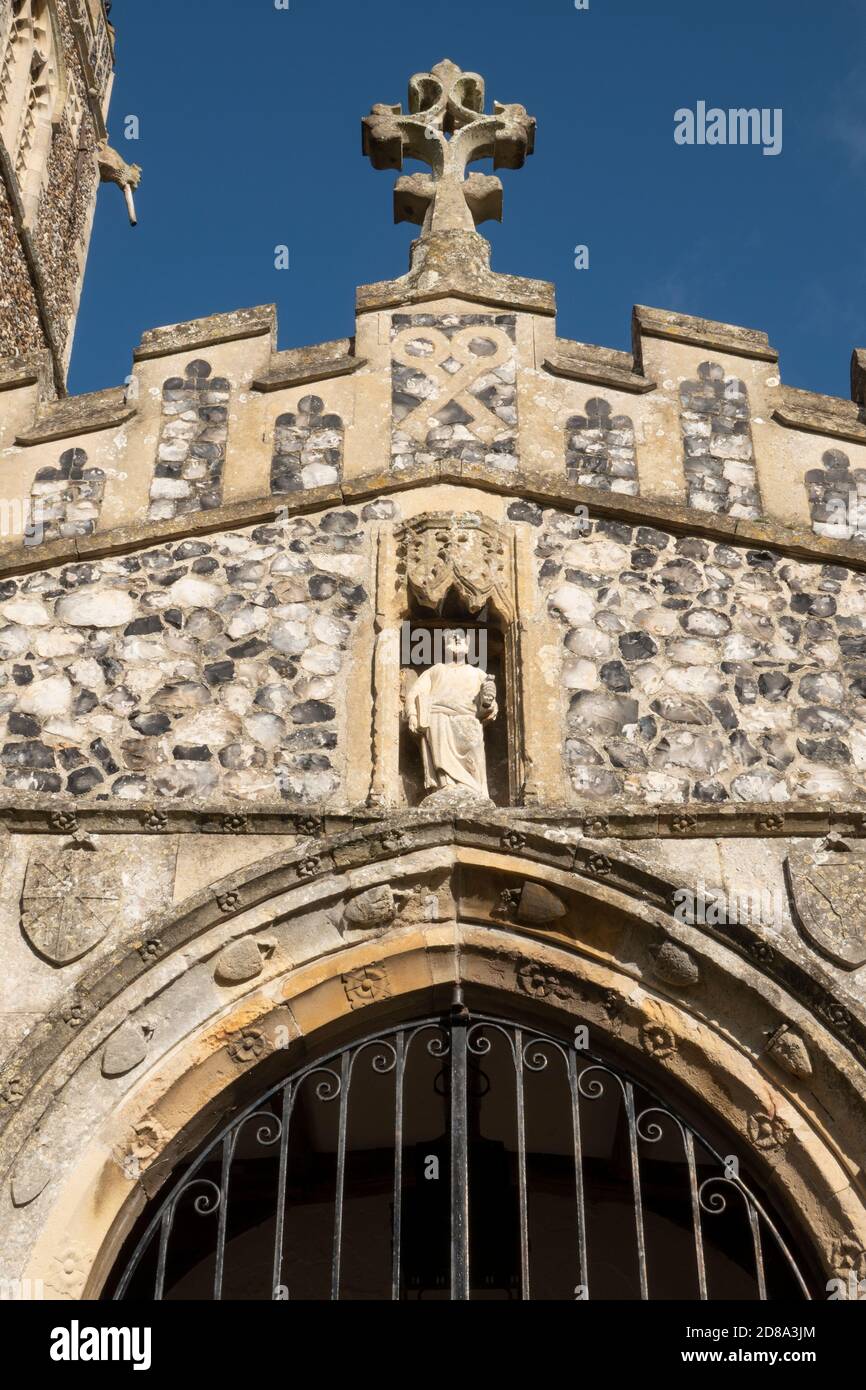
[[446, 129]]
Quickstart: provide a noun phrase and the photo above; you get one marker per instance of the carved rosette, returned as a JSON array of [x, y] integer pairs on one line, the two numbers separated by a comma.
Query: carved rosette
[[768, 1132], [366, 984]]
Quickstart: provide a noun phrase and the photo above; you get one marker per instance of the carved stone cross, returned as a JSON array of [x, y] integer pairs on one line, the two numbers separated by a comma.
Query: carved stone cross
[[446, 129]]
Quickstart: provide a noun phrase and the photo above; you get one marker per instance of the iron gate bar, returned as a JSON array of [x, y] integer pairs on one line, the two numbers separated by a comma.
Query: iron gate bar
[[455, 1037], [689, 1143], [459, 1157], [397, 1217], [583, 1269], [519, 1060], [279, 1226], [628, 1091], [759, 1254], [345, 1082]]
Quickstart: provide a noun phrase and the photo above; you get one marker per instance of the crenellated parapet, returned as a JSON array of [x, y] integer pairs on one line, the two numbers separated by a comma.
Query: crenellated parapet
[[695, 424]]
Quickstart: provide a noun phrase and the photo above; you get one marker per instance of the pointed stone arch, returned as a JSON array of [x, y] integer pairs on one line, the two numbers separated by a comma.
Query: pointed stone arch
[[304, 946]]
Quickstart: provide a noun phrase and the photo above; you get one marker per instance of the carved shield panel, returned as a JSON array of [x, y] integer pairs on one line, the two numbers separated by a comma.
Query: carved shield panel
[[69, 902], [828, 894]]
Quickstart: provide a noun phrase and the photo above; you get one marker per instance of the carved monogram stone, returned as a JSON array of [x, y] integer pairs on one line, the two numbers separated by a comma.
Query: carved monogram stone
[[827, 886], [453, 389], [69, 901]]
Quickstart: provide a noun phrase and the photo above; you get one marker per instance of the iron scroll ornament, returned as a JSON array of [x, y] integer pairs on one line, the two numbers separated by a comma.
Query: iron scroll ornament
[[485, 1198]]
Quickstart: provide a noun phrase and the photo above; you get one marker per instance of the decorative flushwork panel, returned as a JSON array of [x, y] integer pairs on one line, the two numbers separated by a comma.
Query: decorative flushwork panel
[[837, 497], [308, 448], [717, 440], [453, 389], [214, 666], [600, 449], [701, 671], [66, 500], [192, 444]]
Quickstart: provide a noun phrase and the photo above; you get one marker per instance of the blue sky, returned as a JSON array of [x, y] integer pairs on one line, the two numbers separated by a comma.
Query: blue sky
[[250, 137]]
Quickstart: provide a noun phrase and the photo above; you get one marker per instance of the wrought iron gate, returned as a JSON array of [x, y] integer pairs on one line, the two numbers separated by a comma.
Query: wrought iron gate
[[614, 1155]]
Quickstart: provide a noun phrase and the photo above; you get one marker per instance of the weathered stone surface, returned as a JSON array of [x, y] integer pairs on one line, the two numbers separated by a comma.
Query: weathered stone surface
[[675, 966], [69, 902], [373, 908], [537, 905], [127, 1048], [788, 1049], [240, 961], [30, 1178], [106, 608], [827, 884]]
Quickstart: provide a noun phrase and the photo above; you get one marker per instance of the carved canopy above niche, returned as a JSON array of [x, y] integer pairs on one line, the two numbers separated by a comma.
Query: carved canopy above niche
[[466, 552]]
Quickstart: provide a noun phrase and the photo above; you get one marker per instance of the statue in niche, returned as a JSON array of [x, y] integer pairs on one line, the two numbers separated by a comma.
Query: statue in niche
[[446, 709]]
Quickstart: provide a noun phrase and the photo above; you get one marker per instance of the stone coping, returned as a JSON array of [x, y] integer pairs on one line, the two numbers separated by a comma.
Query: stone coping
[[319, 362], [32, 813], [830, 415], [544, 490], [74, 415], [455, 264], [698, 332], [16, 372], [201, 333], [598, 365]]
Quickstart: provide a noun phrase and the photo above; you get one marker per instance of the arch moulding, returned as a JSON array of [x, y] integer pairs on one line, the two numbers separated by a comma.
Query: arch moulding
[[348, 933]]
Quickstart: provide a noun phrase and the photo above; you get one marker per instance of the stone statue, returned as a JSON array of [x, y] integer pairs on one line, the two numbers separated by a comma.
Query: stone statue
[[447, 709]]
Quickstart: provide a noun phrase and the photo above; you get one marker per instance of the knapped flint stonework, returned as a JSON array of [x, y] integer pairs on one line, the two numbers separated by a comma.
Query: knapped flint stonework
[[66, 499], [453, 389], [705, 671], [717, 440], [837, 497], [188, 476], [209, 667], [308, 448], [20, 329], [600, 449], [42, 315]]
